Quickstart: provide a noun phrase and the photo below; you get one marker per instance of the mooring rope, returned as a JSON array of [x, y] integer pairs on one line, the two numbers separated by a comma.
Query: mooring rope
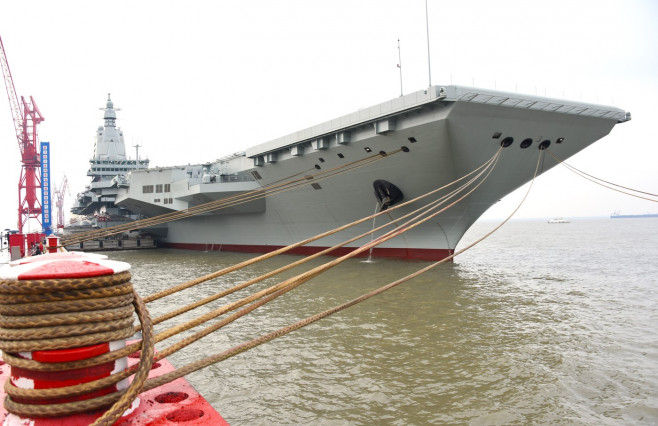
[[605, 183], [298, 280], [282, 250], [202, 363], [230, 201], [282, 288], [20, 332], [23, 334], [124, 398], [109, 310], [33, 365]]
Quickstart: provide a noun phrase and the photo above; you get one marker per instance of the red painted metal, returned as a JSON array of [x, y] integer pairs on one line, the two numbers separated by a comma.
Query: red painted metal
[[25, 125], [17, 240], [53, 242], [176, 403], [33, 240], [59, 269]]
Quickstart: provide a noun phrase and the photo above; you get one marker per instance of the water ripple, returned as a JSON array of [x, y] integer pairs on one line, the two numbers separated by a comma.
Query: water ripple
[[556, 328]]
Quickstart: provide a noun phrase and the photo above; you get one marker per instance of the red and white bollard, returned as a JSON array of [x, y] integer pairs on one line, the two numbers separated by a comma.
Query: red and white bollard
[[175, 403], [53, 242], [63, 266]]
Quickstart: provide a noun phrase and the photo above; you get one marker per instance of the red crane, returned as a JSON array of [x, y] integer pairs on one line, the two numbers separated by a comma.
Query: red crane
[[26, 120], [59, 202]]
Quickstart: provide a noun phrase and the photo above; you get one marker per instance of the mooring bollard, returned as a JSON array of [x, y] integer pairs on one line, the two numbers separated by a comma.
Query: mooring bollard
[[63, 308]]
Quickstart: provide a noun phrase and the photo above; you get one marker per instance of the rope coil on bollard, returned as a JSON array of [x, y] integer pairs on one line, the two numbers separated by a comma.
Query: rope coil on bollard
[[20, 333], [72, 314]]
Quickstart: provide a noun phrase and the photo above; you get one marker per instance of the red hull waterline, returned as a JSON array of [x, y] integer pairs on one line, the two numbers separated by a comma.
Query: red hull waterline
[[391, 253]]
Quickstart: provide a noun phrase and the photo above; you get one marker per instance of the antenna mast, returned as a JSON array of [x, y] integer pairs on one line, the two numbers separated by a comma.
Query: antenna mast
[[137, 152], [400, 66], [427, 25]]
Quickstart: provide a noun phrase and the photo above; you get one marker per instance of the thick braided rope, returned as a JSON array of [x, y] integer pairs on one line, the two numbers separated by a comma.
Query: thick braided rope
[[84, 312], [47, 285], [121, 399], [202, 363], [29, 364], [26, 332]]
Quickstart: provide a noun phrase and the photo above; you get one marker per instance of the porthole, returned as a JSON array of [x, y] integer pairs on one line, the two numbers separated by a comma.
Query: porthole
[[559, 140], [526, 143], [412, 139], [497, 135], [367, 149], [317, 166], [382, 153], [545, 144], [340, 155], [507, 142], [321, 159], [404, 149]]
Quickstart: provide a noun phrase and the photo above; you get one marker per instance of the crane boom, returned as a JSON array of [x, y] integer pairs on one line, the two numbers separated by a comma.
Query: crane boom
[[13, 98], [25, 125], [59, 201]]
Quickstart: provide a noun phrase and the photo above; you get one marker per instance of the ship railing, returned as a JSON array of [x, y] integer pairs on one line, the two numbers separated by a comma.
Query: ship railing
[[222, 179]]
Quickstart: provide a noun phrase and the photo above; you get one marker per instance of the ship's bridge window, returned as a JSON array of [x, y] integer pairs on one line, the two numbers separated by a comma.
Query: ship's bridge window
[[147, 189], [158, 188], [167, 187]]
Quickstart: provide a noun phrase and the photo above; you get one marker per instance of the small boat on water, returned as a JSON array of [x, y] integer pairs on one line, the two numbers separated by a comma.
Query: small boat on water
[[559, 220]]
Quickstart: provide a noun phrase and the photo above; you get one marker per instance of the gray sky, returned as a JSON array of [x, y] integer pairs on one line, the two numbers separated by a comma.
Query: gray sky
[[197, 80]]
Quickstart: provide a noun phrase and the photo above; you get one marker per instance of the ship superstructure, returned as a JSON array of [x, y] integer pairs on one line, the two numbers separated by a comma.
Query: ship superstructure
[[437, 135], [109, 170]]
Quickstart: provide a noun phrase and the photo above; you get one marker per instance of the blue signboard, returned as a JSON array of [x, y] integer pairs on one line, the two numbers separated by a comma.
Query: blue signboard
[[46, 205]]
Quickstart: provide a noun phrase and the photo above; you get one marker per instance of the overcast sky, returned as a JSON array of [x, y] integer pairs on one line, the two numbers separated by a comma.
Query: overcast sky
[[197, 80]]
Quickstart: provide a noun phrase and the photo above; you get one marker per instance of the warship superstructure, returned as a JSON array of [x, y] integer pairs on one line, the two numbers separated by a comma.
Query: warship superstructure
[[438, 135], [109, 170]]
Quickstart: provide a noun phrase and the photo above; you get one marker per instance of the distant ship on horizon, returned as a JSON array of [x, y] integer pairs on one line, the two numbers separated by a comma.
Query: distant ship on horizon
[[617, 215]]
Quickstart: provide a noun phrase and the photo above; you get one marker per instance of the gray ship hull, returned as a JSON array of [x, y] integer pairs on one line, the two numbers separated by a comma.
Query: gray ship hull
[[445, 133]]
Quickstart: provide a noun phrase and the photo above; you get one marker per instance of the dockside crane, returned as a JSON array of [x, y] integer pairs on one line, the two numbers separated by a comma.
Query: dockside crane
[[26, 120], [59, 202]]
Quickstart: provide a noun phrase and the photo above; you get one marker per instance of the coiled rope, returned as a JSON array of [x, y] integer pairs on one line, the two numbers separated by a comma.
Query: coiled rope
[[84, 311]]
